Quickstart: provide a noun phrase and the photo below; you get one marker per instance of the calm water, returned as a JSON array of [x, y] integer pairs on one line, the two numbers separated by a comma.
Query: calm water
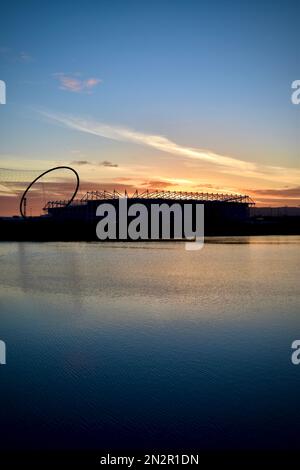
[[150, 346]]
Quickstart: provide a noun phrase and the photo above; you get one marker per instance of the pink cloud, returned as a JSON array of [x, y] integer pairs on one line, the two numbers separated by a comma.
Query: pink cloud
[[91, 82], [75, 84]]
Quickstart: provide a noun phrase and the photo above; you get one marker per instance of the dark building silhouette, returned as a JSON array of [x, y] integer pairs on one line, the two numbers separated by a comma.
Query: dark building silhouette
[[224, 215]]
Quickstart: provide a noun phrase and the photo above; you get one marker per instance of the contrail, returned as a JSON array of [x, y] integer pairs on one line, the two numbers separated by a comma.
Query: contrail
[[225, 164]]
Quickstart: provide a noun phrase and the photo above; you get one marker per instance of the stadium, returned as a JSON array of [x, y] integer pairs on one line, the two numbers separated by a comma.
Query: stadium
[[76, 219]]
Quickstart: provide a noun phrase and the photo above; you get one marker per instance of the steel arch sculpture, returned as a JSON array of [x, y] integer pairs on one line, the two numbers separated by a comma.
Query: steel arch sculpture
[[43, 174]]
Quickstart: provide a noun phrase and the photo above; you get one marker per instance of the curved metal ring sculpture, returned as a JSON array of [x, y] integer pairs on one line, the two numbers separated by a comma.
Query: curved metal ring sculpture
[[43, 174]]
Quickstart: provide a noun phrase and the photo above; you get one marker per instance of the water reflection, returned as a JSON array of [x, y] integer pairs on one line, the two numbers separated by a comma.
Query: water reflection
[[150, 344]]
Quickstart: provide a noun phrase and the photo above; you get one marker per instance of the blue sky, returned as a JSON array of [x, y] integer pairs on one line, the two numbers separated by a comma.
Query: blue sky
[[214, 76]]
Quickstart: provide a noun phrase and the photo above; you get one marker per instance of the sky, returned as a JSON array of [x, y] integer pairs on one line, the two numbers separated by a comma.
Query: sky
[[176, 95]]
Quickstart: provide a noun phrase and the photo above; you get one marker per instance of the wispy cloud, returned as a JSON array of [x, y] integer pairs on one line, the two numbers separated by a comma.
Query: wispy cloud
[[105, 163], [80, 162], [74, 84], [25, 57], [276, 197], [287, 193], [222, 163], [109, 164], [158, 184], [10, 55]]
